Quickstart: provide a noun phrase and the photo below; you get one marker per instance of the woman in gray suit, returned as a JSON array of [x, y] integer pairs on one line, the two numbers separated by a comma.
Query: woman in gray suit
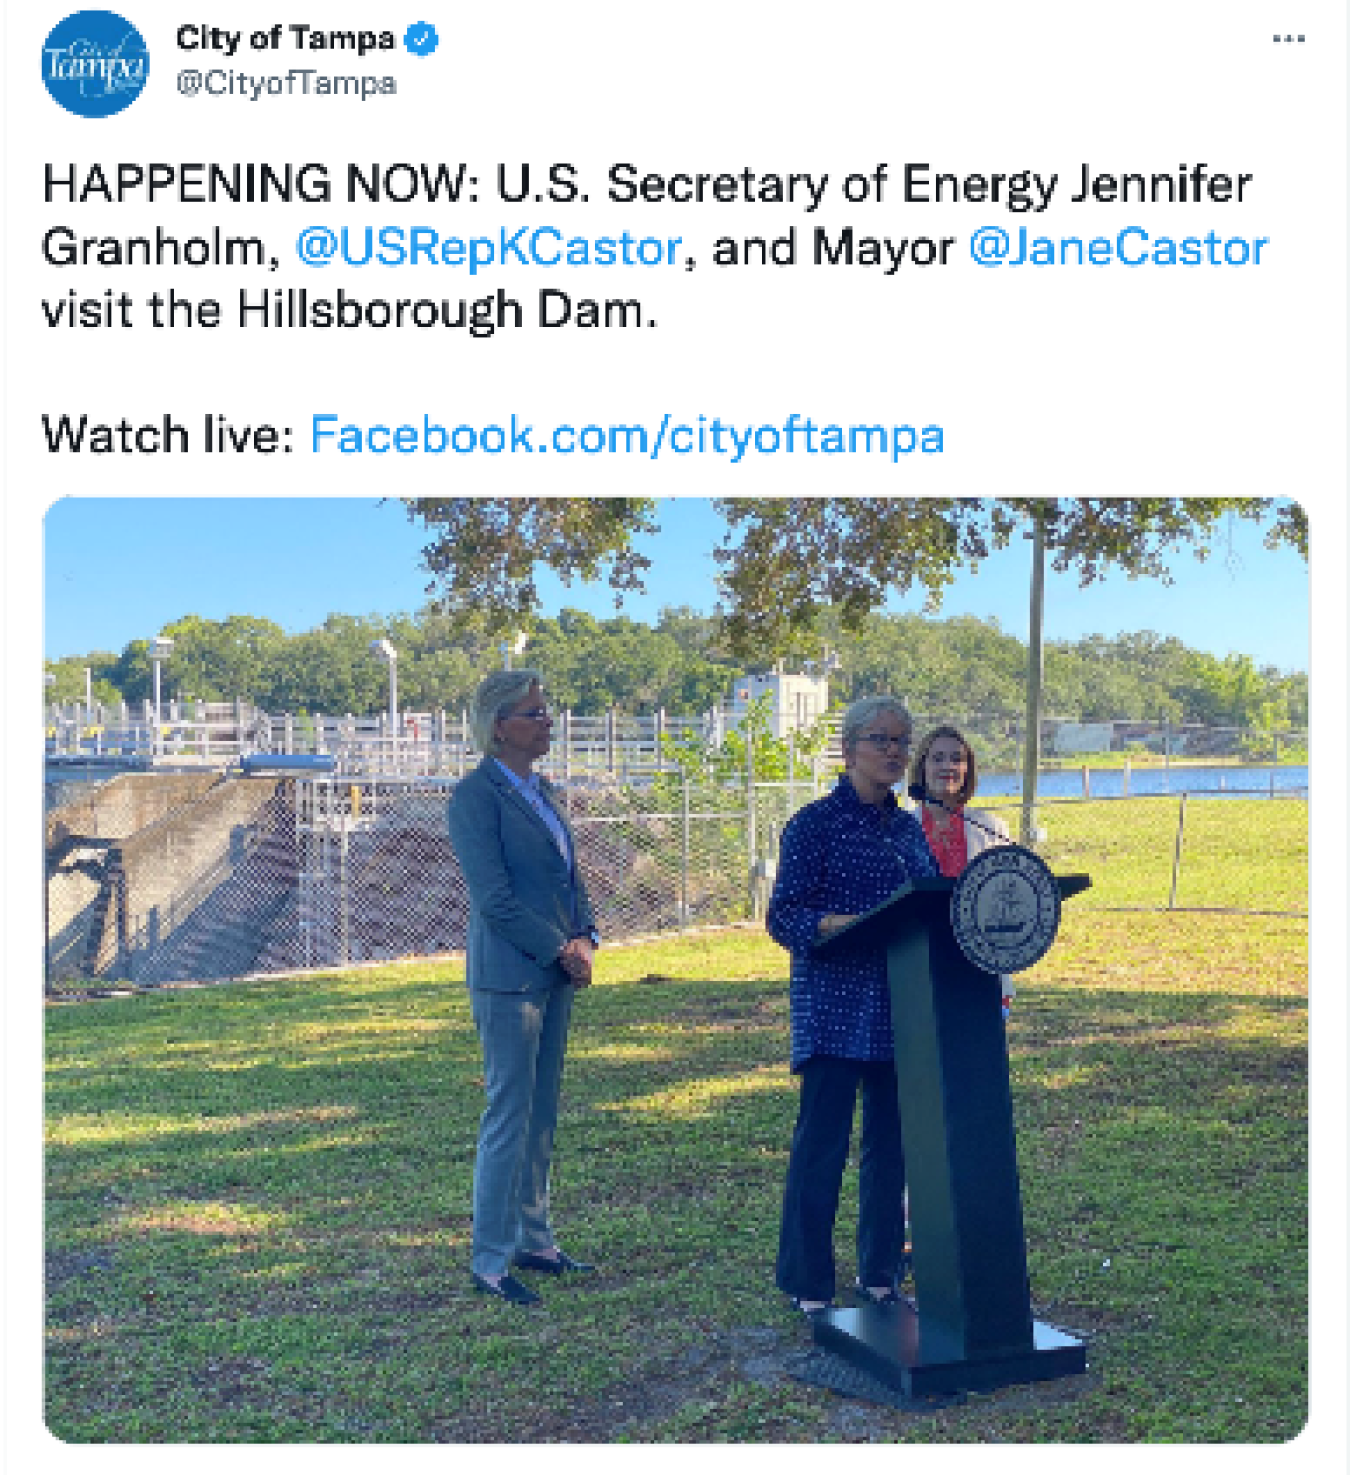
[[531, 944]]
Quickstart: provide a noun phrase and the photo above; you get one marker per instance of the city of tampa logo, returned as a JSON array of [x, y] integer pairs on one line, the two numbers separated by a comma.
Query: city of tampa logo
[[94, 63]]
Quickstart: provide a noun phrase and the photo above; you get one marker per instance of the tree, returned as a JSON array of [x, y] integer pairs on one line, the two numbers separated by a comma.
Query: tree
[[750, 747], [795, 558], [132, 673], [786, 562], [484, 550], [220, 660], [68, 685], [1232, 692], [330, 669], [961, 665], [593, 664]]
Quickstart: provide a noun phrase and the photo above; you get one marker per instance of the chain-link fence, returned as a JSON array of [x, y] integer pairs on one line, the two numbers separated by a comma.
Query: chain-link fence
[[155, 878]]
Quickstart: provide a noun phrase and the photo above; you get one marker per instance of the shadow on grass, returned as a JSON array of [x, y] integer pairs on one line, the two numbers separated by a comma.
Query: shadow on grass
[[258, 1201]]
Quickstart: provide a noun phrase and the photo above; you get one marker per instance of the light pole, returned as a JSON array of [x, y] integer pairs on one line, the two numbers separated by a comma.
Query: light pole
[[383, 650], [1031, 751], [161, 648]]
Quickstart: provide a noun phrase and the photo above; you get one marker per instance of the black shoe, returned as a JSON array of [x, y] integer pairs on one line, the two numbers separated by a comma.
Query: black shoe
[[813, 1310], [506, 1289], [563, 1265]]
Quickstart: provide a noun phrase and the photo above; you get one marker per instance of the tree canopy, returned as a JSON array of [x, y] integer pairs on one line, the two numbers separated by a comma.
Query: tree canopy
[[484, 550], [786, 562], [955, 668]]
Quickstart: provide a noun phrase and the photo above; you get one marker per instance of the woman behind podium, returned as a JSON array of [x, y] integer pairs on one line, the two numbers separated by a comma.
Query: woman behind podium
[[840, 856], [943, 768]]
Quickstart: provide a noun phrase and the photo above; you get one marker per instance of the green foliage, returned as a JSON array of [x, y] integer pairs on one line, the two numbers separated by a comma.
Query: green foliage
[[785, 562], [947, 668], [591, 665], [217, 660], [483, 551], [750, 747], [68, 684]]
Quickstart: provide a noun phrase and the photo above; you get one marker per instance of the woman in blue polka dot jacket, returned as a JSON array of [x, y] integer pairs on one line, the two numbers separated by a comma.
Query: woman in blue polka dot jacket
[[839, 857]]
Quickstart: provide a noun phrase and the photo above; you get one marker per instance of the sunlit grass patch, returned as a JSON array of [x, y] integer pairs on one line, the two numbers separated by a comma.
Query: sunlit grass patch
[[703, 1098], [195, 1217], [622, 1050]]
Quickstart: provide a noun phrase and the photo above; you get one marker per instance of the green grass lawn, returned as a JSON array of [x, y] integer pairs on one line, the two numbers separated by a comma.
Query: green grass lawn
[[258, 1205], [1247, 854]]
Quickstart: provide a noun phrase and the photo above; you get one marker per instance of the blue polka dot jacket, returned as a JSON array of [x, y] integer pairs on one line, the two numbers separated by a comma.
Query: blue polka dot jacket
[[841, 855]]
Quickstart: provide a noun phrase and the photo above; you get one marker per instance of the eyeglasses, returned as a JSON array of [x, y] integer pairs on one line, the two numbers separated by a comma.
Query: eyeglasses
[[535, 714], [885, 740]]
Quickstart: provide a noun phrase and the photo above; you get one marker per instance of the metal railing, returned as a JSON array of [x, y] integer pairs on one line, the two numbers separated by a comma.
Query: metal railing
[[613, 742]]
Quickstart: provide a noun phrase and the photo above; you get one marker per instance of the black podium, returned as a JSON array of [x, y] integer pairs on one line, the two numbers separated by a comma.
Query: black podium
[[970, 1324]]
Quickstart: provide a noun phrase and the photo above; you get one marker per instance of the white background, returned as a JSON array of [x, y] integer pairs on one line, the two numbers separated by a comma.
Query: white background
[[1047, 382]]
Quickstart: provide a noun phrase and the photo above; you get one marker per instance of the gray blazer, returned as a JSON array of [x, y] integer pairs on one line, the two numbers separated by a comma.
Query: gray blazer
[[525, 901]]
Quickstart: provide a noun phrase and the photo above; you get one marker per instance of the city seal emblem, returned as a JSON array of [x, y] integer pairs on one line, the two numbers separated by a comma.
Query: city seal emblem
[[1005, 909]]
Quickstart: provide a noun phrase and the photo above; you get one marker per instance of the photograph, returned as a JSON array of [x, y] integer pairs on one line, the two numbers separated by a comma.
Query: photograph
[[334, 894]]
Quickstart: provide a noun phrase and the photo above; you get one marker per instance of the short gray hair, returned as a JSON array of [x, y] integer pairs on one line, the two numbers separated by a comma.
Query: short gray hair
[[865, 711], [497, 693]]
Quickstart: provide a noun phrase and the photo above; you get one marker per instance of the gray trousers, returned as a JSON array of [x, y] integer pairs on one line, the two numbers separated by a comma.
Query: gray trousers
[[523, 1038]]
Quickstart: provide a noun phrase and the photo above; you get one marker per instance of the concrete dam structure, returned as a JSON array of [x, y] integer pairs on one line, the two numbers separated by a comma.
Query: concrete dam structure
[[152, 877]]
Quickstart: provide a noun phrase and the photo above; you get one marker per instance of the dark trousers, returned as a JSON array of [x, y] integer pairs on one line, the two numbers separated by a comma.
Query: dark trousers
[[829, 1091]]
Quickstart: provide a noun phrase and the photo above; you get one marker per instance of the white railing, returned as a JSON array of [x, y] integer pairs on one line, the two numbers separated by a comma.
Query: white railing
[[435, 743], [613, 744]]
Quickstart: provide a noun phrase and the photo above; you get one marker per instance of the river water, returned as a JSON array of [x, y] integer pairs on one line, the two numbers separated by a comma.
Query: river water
[[64, 782], [1112, 783]]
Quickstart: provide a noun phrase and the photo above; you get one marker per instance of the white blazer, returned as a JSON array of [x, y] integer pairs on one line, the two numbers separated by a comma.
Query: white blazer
[[978, 839]]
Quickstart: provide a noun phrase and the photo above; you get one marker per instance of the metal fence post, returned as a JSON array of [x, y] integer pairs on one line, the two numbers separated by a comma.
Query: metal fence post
[[344, 890], [750, 837], [684, 850], [1176, 854]]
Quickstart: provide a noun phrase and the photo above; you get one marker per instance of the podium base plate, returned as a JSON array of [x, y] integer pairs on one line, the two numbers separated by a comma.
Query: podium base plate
[[889, 1343]]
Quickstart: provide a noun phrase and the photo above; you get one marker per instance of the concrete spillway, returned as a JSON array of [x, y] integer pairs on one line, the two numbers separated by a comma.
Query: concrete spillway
[[154, 877]]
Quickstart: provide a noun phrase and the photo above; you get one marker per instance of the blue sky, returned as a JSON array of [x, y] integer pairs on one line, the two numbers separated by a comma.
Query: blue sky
[[120, 569]]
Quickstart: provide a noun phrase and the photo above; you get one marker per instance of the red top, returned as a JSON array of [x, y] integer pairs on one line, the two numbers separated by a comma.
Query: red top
[[949, 850], [948, 845]]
